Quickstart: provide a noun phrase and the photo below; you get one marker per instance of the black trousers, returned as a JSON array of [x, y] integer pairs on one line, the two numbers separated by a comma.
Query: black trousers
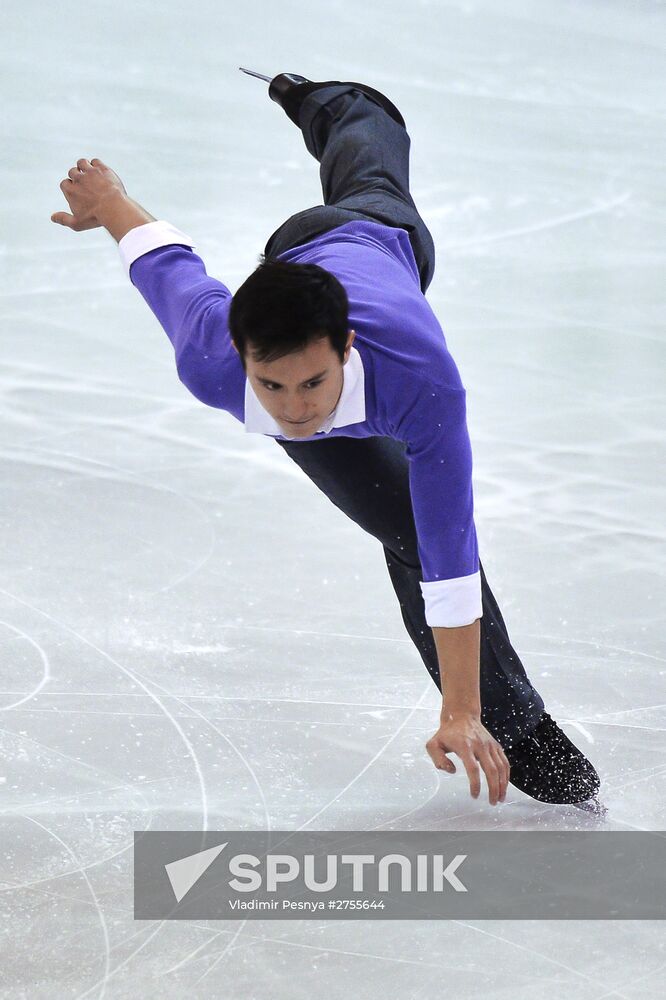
[[364, 169]]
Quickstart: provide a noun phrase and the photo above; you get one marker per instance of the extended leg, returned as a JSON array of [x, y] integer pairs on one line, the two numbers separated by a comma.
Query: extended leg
[[364, 170]]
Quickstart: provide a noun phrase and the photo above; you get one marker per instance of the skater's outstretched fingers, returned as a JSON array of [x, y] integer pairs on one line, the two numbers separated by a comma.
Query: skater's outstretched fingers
[[491, 771], [504, 769], [464, 734], [473, 773]]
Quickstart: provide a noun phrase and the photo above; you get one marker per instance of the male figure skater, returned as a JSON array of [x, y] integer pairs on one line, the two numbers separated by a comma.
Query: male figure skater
[[331, 348]]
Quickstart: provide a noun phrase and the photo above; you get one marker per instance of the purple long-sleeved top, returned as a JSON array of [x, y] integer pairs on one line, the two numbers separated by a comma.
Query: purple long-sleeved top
[[400, 381]]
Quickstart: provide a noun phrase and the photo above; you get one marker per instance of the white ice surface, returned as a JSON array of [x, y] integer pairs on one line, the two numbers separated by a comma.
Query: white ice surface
[[191, 635]]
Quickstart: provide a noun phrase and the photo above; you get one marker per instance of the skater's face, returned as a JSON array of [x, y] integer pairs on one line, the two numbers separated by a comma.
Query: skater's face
[[302, 389]]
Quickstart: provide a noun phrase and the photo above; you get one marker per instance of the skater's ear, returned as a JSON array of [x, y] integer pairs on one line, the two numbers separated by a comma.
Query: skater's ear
[[235, 347], [350, 340]]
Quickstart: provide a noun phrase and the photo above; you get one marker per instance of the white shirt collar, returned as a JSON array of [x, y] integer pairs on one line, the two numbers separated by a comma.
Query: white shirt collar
[[350, 408]]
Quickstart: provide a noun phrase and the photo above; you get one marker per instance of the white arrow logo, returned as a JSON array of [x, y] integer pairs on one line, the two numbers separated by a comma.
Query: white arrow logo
[[186, 871]]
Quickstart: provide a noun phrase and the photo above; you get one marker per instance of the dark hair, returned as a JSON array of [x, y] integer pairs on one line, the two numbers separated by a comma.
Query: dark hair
[[282, 307]]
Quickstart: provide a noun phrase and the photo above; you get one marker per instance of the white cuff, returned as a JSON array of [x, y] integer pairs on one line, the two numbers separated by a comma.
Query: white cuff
[[453, 603], [150, 236]]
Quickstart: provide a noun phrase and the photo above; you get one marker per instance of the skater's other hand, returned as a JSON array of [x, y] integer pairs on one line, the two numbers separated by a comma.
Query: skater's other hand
[[468, 738], [88, 185]]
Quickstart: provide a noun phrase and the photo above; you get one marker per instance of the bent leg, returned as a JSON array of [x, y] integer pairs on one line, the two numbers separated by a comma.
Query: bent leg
[[368, 480]]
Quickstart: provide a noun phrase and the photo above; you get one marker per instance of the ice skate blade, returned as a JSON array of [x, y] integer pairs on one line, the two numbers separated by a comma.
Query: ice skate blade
[[259, 76], [592, 806]]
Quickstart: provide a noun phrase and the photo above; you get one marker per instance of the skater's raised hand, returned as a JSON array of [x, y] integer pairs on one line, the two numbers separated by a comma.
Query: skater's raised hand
[[88, 185], [468, 738]]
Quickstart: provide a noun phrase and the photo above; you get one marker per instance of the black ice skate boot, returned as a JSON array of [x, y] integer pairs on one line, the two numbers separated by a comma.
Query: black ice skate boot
[[546, 765], [289, 90]]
